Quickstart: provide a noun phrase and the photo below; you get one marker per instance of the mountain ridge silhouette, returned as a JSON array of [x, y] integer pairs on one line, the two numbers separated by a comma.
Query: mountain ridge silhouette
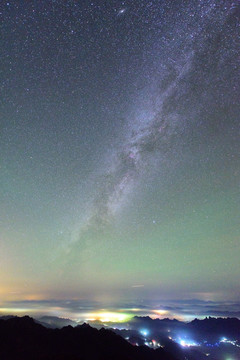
[[24, 338]]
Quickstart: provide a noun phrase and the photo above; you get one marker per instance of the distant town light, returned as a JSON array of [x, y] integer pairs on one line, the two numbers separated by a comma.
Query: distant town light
[[187, 343], [144, 332]]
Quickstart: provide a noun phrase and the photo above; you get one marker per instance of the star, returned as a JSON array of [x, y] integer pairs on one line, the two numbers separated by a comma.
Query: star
[[121, 12]]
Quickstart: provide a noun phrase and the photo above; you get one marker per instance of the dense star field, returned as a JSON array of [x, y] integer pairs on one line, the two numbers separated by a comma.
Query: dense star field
[[119, 143]]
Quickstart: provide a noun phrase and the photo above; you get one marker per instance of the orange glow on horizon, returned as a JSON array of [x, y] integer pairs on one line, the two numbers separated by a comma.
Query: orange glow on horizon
[[160, 312]]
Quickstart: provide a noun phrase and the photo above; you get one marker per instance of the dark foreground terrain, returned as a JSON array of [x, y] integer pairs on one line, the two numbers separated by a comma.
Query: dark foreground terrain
[[23, 338], [206, 339]]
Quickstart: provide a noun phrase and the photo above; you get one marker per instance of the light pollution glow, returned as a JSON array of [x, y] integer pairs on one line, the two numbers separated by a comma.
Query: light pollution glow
[[100, 315]]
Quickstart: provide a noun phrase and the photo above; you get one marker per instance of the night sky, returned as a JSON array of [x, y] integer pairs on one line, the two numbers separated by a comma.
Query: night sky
[[119, 151]]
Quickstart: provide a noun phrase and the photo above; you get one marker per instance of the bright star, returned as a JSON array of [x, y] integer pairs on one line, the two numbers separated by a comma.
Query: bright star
[[120, 12]]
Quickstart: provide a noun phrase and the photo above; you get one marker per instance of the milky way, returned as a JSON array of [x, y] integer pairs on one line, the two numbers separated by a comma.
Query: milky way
[[120, 150], [177, 110], [154, 138]]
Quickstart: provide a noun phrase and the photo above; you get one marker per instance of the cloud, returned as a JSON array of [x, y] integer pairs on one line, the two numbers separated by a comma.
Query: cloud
[[77, 308]]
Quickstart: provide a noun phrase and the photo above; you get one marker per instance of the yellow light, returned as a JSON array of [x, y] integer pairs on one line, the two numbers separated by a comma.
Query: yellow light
[[14, 310], [108, 316], [160, 312]]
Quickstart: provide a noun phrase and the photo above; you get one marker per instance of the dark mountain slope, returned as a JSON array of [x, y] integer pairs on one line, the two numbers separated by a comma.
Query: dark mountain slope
[[23, 338], [56, 322]]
